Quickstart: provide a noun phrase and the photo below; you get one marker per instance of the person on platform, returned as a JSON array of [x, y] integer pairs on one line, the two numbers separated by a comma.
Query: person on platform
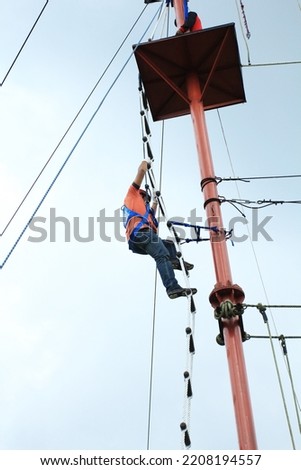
[[192, 23], [141, 232]]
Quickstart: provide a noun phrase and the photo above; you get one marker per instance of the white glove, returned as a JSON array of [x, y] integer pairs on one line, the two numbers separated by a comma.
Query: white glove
[[148, 161], [155, 196]]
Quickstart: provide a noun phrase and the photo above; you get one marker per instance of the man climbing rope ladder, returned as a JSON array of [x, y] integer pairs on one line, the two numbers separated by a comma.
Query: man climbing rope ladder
[[141, 232]]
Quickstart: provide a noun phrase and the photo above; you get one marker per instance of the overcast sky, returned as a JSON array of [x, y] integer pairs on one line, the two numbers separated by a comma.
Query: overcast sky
[[76, 306]]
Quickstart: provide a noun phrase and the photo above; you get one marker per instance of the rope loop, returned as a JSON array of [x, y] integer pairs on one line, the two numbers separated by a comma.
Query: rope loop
[[228, 310], [208, 180]]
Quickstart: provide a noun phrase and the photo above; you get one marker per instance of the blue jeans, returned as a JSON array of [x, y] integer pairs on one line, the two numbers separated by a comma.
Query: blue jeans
[[147, 242]]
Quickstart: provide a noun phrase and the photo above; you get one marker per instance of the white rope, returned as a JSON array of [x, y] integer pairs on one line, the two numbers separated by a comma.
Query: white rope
[[248, 34], [161, 18]]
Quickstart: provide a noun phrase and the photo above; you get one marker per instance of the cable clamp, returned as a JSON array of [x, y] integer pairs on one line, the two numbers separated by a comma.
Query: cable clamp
[[208, 180], [211, 199], [228, 310]]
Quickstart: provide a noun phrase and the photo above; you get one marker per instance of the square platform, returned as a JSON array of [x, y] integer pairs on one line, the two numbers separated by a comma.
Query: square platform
[[211, 53]]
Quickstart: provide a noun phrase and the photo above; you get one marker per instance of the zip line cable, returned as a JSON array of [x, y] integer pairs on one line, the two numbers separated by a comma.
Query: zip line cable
[[72, 150], [72, 123], [29, 34]]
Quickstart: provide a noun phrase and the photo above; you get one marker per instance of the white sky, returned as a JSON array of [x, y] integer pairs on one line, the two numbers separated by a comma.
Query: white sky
[[76, 318]]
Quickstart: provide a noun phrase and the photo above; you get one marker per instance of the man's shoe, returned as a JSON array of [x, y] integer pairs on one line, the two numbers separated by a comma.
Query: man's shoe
[[181, 292], [177, 265]]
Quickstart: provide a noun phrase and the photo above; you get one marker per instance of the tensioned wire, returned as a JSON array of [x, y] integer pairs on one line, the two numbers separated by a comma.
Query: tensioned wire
[[75, 118], [75, 146], [24, 42], [151, 374], [265, 294], [89, 96], [243, 19]]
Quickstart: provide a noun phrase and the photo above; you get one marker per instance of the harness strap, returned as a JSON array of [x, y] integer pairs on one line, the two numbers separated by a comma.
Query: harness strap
[[129, 214]]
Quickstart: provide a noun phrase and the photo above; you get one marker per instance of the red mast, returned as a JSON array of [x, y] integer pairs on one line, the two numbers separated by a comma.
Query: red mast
[[189, 74], [225, 291]]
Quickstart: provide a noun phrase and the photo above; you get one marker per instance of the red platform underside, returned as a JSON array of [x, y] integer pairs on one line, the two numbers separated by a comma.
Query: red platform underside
[[211, 53]]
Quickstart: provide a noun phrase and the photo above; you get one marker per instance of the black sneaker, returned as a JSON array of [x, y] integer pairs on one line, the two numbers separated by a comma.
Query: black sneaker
[[181, 292], [177, 265]]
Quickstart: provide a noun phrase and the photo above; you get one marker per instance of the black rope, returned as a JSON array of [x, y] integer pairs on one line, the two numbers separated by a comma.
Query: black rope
[[206, 181], [212, 199]]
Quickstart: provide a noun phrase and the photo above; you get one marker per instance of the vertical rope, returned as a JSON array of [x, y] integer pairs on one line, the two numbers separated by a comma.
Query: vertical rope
[[286, 359], [144, 113], [266, 321], [147, 152], [241, 15], [150, 393]]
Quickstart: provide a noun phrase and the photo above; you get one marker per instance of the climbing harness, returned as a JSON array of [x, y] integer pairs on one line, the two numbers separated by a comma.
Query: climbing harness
[[128, 214]]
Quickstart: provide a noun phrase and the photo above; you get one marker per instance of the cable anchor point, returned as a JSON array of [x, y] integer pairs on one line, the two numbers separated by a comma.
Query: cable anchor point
[[227, 311]]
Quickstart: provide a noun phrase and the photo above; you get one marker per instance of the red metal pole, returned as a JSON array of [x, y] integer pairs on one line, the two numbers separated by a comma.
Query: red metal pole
[[224, 289]]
